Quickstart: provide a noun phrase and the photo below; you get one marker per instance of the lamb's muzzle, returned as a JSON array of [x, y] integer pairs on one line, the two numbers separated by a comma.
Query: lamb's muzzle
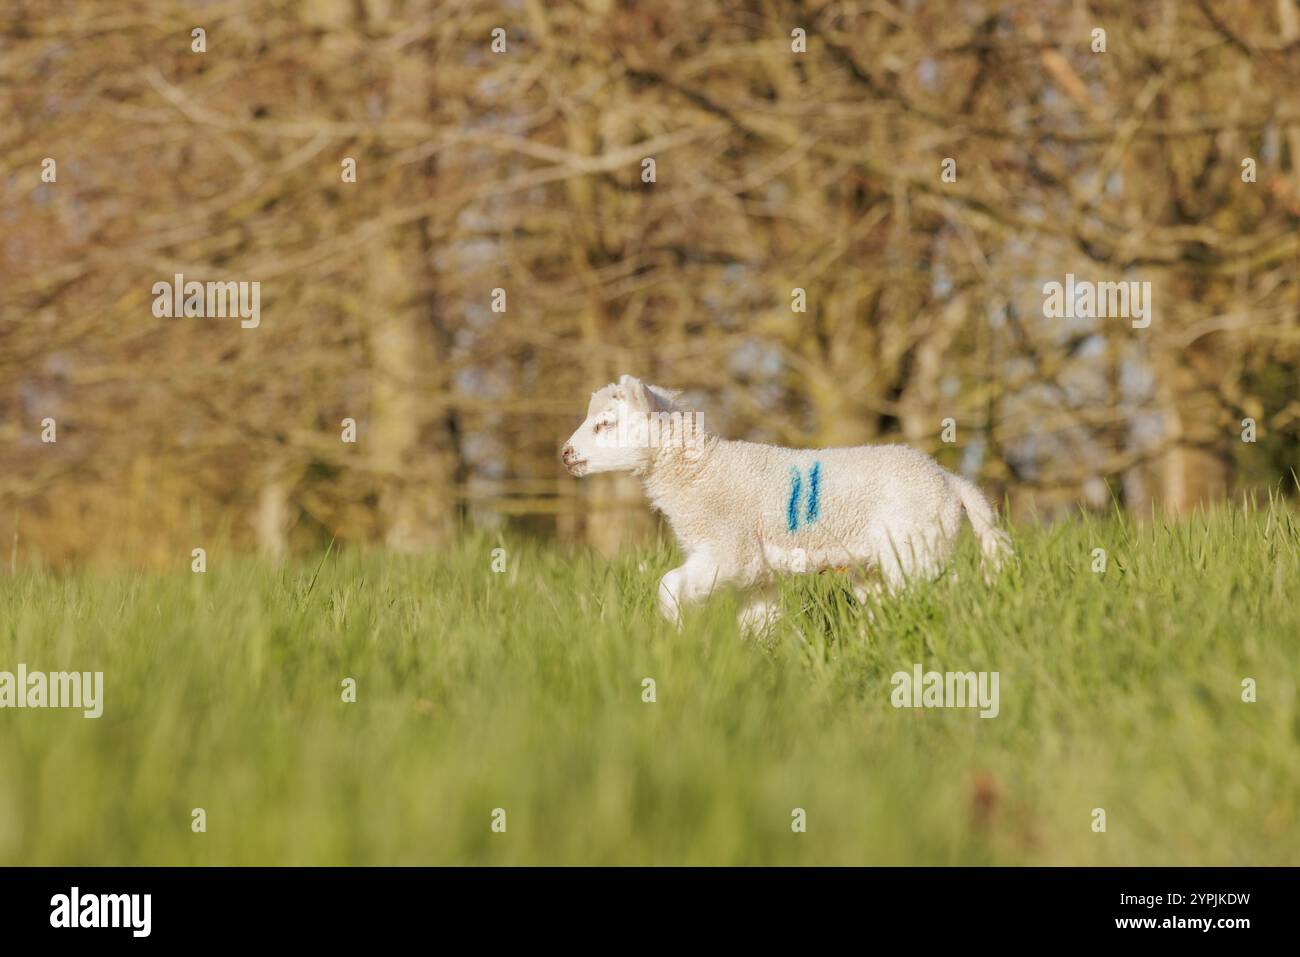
[[573, 464]]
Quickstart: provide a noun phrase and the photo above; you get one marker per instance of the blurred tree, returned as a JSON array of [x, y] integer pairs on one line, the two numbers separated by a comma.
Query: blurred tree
[[919, 171]]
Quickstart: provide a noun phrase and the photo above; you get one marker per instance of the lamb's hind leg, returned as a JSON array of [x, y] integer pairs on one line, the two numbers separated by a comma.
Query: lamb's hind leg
[[893, 578], [919, 557]]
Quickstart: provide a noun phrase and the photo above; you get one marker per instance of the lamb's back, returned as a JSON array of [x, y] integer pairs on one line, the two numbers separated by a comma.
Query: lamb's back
[[795, 493]]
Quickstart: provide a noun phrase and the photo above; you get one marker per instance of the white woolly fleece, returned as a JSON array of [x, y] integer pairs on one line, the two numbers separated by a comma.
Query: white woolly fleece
[[743, 512]]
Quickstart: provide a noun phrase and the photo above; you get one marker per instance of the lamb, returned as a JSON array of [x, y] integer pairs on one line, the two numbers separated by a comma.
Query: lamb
[[743, 512]]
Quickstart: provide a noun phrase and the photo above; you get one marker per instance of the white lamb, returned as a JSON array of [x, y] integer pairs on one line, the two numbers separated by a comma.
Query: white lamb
[[743, 512]]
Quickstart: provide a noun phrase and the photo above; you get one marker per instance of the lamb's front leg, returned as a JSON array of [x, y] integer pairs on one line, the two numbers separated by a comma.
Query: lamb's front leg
[[759, 614], [688, 584]]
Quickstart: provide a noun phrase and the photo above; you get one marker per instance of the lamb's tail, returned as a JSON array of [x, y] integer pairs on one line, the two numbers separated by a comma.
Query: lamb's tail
[[994, 542]]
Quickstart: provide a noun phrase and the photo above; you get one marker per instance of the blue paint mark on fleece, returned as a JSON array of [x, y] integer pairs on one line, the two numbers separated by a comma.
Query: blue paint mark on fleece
[[792, 507], [814, 497]]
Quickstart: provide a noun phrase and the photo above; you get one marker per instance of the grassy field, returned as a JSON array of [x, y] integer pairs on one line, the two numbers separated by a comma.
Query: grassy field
[[523, 690]]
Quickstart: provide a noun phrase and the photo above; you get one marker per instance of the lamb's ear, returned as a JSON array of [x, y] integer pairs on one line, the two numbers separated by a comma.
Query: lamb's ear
[[634, 392], [600, 398], [666, 397]]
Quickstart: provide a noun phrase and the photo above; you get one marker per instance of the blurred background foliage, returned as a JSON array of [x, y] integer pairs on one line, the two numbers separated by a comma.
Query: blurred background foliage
[[523, 171]]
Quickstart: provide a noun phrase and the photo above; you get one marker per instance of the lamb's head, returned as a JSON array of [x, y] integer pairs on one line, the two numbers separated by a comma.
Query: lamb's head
[[626, 424]]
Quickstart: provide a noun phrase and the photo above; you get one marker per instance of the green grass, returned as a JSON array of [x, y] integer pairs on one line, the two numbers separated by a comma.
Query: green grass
[[523, 691]]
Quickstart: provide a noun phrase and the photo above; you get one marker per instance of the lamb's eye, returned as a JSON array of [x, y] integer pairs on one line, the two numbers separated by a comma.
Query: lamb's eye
[[598, 426]]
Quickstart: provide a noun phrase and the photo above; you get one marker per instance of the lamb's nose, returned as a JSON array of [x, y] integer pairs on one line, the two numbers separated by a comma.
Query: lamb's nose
[[566, 453]]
